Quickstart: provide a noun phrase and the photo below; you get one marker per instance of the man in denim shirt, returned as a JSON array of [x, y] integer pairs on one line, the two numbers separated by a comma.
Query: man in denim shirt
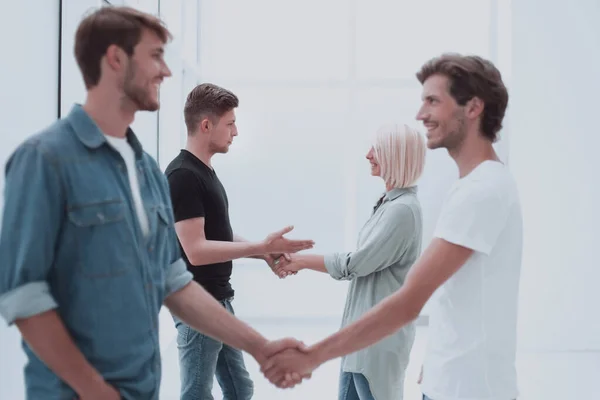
[[88, 250]]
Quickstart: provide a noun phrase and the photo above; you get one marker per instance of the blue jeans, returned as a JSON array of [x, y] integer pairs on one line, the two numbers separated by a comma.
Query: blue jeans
[[354, 386], [202, 357]]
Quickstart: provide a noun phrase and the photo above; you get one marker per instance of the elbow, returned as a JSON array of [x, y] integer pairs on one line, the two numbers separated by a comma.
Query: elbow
[[344, 273], [406, 309], [346, 276], [413, 313], [413, 310], [195, 254], [193, 259], [356, 272]]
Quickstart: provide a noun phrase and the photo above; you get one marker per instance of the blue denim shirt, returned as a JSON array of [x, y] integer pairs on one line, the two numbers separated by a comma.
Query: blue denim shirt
[[70, 241]]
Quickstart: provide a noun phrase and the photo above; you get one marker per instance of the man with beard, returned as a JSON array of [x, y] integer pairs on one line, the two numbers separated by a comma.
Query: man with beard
[[473, 261], [88, 247]]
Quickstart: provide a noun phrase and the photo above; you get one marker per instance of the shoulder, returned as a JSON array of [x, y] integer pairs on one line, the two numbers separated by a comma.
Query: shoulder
[[183, 181], [490, 191], [181, 175], [491, 182], [405, 210], [51, 144], [406, 205]]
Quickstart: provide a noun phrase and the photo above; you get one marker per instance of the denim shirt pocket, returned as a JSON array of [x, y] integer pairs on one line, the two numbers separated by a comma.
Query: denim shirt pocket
[[163, 218], [100, 228]]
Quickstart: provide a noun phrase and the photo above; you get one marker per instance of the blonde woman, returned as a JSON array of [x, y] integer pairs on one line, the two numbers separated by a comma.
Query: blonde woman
[[388, 245]]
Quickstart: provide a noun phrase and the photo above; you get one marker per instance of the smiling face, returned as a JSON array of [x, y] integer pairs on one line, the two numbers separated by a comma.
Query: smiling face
[[145, 71], [443, 117], [375, 167], [397, 155]]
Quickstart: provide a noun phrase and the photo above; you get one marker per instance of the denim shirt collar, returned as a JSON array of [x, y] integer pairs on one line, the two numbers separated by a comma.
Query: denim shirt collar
[[90, 134]]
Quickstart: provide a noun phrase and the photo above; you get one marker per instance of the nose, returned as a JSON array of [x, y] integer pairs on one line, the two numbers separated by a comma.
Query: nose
[[166, 71], [421, 114]]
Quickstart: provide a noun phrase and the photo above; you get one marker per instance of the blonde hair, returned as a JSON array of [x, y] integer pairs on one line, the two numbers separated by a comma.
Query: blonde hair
[[400, 153]]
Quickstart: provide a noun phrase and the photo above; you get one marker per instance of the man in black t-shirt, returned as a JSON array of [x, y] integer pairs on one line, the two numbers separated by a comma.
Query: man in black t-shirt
[[201, 210]]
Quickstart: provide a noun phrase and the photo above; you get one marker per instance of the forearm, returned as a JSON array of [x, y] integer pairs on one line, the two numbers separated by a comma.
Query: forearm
[[238, 238], [46, 334], [381, 321], [201, 311], [314, 262], [212, 251]]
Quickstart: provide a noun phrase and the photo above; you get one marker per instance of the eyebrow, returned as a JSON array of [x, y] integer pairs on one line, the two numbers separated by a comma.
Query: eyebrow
[[430, 97]]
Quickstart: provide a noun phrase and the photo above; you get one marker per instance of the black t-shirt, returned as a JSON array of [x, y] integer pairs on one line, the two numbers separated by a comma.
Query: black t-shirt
[[196, 191]]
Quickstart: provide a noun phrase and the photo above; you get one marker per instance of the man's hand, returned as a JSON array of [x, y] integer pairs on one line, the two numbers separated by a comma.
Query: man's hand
[[285, 367], [276, 261], [277, 347], [277, 243]]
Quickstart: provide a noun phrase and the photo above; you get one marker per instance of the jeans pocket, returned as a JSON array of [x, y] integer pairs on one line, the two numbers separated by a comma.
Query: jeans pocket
[[185, 335]]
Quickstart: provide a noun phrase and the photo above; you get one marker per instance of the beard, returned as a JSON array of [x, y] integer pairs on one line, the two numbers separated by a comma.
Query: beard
[[455, 133], [137, 94]]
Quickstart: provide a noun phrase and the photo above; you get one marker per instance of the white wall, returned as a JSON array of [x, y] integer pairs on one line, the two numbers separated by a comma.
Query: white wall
[[72, 89], [554, 156], [311, 97], [29, 99]]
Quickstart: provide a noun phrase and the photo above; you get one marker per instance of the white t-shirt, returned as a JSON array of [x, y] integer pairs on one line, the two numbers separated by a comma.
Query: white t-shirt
[[473, 322], [121, 145]]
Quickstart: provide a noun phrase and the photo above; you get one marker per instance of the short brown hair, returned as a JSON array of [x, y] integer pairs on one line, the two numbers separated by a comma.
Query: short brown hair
[[472, 76], [121, 26], [207, 100]]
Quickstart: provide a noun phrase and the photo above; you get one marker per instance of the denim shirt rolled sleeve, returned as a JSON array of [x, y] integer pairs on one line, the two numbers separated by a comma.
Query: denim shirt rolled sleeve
[[177, 277], [33, 210], [385, 243]]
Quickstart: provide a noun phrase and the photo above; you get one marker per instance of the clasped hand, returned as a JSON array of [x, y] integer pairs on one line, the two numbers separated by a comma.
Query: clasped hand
[[279, 249], [288, 362]]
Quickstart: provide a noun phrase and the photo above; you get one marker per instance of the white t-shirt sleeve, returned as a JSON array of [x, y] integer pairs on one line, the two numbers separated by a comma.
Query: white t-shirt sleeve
[[473, 217]]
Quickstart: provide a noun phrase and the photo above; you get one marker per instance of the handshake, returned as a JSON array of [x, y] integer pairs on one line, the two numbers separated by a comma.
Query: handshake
[[277, 251], [286, 362]]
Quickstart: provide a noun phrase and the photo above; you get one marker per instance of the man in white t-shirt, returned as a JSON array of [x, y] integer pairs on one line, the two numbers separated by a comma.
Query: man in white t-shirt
[[473, 262]]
